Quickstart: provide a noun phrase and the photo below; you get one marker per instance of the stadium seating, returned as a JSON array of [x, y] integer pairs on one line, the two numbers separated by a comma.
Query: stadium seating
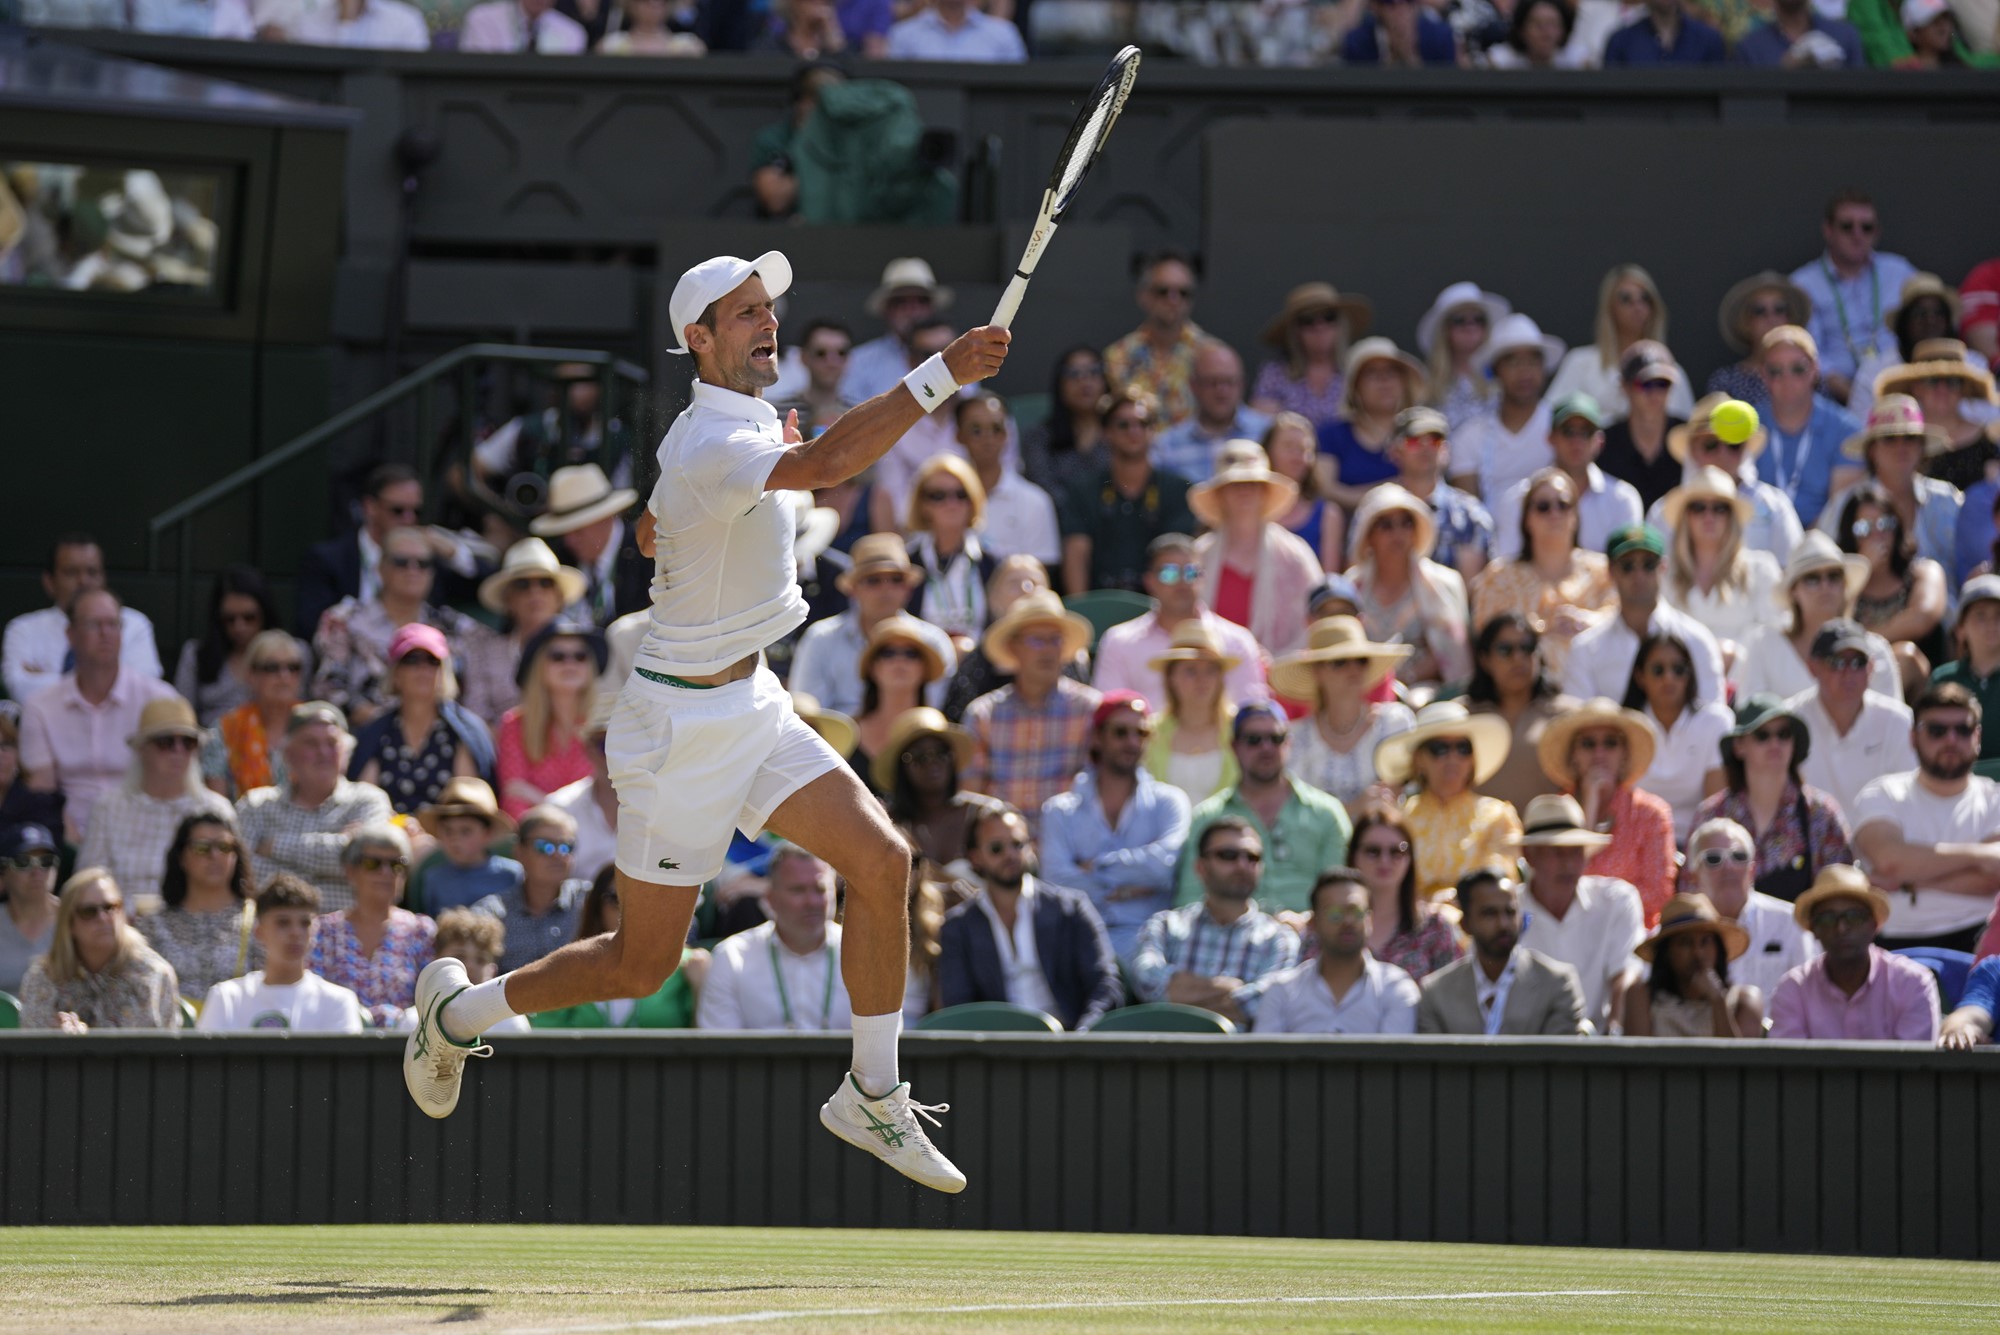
[[1105, 608], [10, 1011], [1951, 967], [188, 1013], [1163, 1017], [992, 1017]]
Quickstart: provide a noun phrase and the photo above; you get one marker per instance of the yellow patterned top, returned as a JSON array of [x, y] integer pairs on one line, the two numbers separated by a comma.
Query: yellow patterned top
[[1450, 838]]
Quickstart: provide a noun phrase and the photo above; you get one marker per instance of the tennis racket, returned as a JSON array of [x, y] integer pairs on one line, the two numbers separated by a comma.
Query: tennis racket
[[1086, 140]]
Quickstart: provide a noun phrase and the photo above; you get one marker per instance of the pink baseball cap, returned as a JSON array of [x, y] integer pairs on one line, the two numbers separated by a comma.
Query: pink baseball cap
[[418, 636]]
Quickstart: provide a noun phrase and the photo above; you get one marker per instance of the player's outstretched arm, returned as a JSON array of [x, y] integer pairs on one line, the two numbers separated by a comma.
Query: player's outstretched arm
[[865, 433]]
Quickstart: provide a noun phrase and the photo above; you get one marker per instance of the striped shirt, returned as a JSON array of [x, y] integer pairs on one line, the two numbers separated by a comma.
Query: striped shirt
[[1026, 754], [1254, 948], [307, 841]]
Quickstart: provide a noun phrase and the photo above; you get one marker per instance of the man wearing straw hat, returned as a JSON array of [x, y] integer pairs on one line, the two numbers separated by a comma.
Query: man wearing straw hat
[[1590, 923], [586, 515], [1856, 992], [1031, 736], [908, 294], [704, 740], [878, 581]]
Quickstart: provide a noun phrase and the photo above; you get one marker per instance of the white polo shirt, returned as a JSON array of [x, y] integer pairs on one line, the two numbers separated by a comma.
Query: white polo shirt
[[1777, 943], [1601, 657], [1923, 817], [1502, 457], [1595, 937], [1021, 520], [1298, 1001], [756, 982], [1878, 743], [1606, 505]]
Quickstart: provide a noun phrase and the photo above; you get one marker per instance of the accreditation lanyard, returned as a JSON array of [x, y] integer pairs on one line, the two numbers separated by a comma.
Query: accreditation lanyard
[[1787, 475], [826, 997], [1840, 306]]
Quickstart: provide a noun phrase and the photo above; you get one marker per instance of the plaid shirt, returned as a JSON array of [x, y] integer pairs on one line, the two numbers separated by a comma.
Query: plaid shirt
[[1187, 940], [1026, 754], [131, 832], [307, 841]]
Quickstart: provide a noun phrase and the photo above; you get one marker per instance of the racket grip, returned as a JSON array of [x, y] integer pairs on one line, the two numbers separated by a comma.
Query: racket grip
[[1010, 302]]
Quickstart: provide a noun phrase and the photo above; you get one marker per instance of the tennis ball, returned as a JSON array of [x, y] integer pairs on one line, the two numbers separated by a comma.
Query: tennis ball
[[1733, 422]]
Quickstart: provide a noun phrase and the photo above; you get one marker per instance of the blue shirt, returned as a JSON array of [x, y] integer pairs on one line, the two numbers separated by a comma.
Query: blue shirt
[[984, 38], [1358, 464], [1975, 529], [1982, 986], [1462, 523], [1802, 466], [1765, 45], [1638, 43], [1139, 853], [1847, 312], [450, 886], [1435, 46], [1189, 450]]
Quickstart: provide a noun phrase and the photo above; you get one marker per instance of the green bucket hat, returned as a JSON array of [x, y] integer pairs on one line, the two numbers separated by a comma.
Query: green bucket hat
[[1760, 709]]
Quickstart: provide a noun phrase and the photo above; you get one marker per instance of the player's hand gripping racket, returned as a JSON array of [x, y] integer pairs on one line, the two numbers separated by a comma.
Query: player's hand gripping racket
[[1086, 140]]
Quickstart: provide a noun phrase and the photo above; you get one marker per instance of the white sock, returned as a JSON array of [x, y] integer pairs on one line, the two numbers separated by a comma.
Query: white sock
[[875, 1038], [475, 1010]]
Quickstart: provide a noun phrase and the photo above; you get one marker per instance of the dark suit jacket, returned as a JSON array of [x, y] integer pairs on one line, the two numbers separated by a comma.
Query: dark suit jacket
[[329, 572], [1544, 998], [1069, 938], [631, 575]]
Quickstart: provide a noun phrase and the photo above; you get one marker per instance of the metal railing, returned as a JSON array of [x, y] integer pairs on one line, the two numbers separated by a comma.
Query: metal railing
[[465, 363]]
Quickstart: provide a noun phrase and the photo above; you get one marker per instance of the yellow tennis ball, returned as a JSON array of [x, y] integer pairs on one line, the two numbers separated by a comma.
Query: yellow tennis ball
[[1733, 422]]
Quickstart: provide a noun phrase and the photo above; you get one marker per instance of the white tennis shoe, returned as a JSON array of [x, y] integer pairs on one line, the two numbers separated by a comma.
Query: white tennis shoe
[[888, 1129], [433, 1061]]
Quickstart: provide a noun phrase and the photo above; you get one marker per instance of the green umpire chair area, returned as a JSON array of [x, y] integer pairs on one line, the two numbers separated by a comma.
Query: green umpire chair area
[[1162, 1017]]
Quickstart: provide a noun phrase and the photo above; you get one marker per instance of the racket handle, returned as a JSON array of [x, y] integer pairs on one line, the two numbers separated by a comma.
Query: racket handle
[[1017, 286], [1010, 302]]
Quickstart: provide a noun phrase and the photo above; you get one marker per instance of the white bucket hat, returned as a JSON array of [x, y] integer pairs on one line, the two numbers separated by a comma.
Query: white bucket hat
[[1497, 308], [1516, 332], [714, 279]]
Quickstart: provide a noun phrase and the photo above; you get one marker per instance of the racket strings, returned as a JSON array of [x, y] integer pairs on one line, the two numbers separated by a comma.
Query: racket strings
[[1086, 144]]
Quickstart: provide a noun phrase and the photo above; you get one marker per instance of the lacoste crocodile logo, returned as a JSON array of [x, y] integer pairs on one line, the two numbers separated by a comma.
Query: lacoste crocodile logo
[[668, 864]]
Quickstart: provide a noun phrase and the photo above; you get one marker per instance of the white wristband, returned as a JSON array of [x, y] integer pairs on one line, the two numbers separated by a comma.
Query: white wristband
[[931, 384]]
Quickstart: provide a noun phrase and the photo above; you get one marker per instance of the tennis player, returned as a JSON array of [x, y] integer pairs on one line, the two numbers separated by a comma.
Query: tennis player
[[703, 740]]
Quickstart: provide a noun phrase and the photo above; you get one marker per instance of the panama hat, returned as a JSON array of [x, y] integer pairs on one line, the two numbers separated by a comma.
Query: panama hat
[[901, 626], [874, 553], [1334, 640], [1693, 913], [1382, 350], [1729, 316], [1754, 713], [1793, 335], [1840, 882], [1816, 551], [1309, 297], [711, 280], [578, 495], [1712, 484], [1515, 333], [1555, 820], [1380, 500], [1241, 461], [1489, 734], [1934, 358], [530, 558], [903, 275], [1456, 297], [464, 795], [1641, 739], [1918, 286], [1193, 640], [1040, 608], [914, 725], [1699, 425], [169, 716], [1894, 415], [835, 728]]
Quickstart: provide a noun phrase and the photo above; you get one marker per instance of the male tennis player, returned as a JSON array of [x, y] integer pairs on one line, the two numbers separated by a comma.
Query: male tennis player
[[703, 740]]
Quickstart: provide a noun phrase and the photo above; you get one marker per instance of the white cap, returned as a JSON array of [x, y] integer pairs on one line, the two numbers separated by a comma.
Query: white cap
[[1516, 332], [711, 280], [1916, 13]]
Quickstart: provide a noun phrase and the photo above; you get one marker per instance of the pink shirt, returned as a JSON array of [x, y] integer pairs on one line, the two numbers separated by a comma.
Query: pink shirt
[[559, 767], [1898, 1003], [1124, 651], [82, 744]]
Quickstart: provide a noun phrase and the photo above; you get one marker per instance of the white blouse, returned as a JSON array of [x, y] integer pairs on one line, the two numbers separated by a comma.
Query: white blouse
[[1345, 774], [1688, 751], [1737, 614]]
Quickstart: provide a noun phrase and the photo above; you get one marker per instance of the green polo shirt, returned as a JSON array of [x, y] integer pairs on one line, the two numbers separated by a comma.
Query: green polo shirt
[[1311, 835], [1986, 690]]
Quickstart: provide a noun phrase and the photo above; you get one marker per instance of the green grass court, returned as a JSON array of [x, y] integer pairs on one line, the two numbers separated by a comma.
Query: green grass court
[[553, 1279]]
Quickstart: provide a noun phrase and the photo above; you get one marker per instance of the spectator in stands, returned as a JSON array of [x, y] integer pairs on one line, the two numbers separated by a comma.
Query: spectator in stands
[[1407, 598], [593, 802], [1928, 308], [1773, 525], [1192, 446], [775, 183], [1603, 503], [1807, 429], [1450, 335], [956, 30], [1687, 991], [1188, 749], [804, 30], [1557, 584], [823, 352], [37, 651], [28, 861], [1156, 360], [1590, 922], [465, 820], [425, 737], [1957, 399], [1635, 447], [1980, 294], [1903, 600], [672, 1006], [213, 671], [1820, 586], [1400, 34], [1601, 656], [1067, 446], [1464, 528], [541, 911], [1220, 951], [300, 823], [1333, 747], [1112, 514], [908, 295], [1019, 516], [1512, 682], [377, 25], [1022, 939], [1173, 579], [1538, 38], [281, 994], [1797, 36], [1502, 987], [1446, 755], [236, 754], [588, 514], [1857, 733], [947, 503], [99, 973], [521, 25], [918, 774], [477, 940], [1750, 310], [1665, 35], [1930, 30], [786, 973], [1798, 829], [1292, 445], [1254, 572], [1856, 992], [74, 731], [1411, 933], [1629, 308], [1507, 444], [1117, 832], [375, 947], [1346, 990], [1299, 829], [1720, 858], [1381, 380], [132, 825], [20, 804], [897, 665], [894, 474], [1029, 738], [1892, 445], [1977, 667], [880, 579], [540, 742], [1687, 766], [1713, 573], [351, 645], [1971, 1024], [1312, 333], [529, 590], [1845, 283], [1931, 831], [350, 565]]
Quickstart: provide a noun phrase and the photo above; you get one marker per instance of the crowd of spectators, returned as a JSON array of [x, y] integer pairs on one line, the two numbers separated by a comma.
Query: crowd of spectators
[[1375, 692]]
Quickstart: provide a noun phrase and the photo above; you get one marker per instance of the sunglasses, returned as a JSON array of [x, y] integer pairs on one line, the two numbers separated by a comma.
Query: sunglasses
[[899, 651], [1937, 732], [291, 669], [1171, 575], [1717, 445], [1448, 746], [1699, 509], [1868, 528], [92, 912], [1858, 226], [1400, 520], [410, 562], [532, 582], [1635, 564], [927, 755], [1769, 308], [1847, 663], [1383, 851], [1828, 919], [880, 580], [1258, 739], [204, 847], [1614, 741], [552, 848], [567, 655], [33, 861], [940, 497], [418, 658], [177, 742], [1346, 913], [1667, 669], [1820, 578], [1765, 736], [1313, 318], [1467, 319], [1235, 855], [1505, 649], [373, 863], [1164, 290], [1655, 386], [830, 354], [1552, 507], [1576, 430], [1715, 857]]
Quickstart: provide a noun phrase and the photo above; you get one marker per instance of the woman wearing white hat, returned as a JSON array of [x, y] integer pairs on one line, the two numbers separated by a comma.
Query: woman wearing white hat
[[1407, 598], [1382, 380], [1254, 572], [1190, 747], [1447, 754], [1629, 308], [1820, 583], [529, 590], [1333, 748], [1711, 574], [1312, 332], [1450, 335]]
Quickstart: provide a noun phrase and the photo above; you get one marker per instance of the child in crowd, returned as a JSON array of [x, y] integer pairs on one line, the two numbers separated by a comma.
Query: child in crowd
[[284, 995]]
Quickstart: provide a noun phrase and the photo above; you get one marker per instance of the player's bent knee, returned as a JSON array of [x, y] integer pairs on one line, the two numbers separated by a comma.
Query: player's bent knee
[[889, 866], [641, 970]]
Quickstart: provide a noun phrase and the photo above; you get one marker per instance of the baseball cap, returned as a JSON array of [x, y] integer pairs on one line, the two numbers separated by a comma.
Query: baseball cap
[[1334, 588], [1420, 421], [1255, 709], [314, 711], [1577, 405], [1844, 634], [1977, 589], [1635, 538], [713, 279], [21, 838], [1648, 360], [417, 636], [1916, 13], [1114, 701]]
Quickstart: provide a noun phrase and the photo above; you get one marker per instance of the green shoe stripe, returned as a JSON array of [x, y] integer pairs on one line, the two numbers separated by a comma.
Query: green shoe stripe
[[437, 1019]]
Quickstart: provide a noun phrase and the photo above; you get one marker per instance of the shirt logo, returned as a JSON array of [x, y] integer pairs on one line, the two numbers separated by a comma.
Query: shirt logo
[[929, 393], [668, 864]]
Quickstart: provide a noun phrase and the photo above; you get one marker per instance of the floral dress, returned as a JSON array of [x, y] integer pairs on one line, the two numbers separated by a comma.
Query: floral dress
[[1449, 839], [386, 981], [1789, 854]]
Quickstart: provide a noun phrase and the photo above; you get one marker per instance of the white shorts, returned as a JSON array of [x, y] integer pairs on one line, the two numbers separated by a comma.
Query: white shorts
[[692, 766]]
